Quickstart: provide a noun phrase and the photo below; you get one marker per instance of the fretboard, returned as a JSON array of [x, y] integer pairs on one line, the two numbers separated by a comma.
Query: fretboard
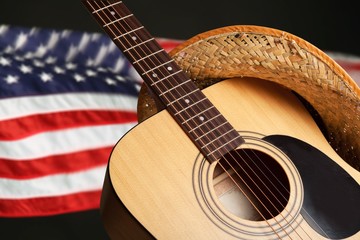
[[197, 116]]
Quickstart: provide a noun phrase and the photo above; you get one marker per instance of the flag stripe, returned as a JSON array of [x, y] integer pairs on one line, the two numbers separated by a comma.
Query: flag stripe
[[18, 128], [25, 106], [168, 44], [56, 164], [53, 185], [46, 206], [60, 142], [350, 66], [66, 98]]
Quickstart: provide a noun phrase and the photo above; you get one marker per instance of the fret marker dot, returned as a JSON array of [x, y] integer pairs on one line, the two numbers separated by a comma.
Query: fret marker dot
[[169, 68], [201, 118], [133, 38], [154, 75], [112, 13], [187, 100]]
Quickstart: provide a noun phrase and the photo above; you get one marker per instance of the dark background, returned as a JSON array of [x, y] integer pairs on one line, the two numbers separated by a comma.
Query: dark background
[[329, 25]]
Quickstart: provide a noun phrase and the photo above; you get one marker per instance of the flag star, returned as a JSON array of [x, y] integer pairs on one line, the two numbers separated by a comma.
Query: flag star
[[25, 69], [4, 61], [9, 49], [38, 63], [89, 62], [90, 73], [50, 60], [79, 78], [110, 81], [120, 78], [19, 58], [59, 70], [46, 77], [10, 79], [41, 50], [70, 66], [28, 55]]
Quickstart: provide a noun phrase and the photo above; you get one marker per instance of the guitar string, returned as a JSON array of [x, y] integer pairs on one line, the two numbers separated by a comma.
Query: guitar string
[[235, 151], [280, 192], [160, 70], [248, 198], [265, 185], [137, 37], [125, 21], [265, 176], [276, 188]]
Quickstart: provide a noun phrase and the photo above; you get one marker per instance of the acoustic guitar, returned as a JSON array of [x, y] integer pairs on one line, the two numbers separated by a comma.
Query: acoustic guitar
[[241, 159]]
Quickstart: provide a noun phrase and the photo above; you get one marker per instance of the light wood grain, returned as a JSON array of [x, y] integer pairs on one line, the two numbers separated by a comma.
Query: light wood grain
[[152, 167]]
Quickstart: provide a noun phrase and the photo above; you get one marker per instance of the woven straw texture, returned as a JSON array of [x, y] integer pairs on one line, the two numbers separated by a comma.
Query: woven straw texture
[[279, 57]]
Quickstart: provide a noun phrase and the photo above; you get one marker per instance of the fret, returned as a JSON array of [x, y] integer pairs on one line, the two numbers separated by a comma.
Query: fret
[[174, 87], [201, 111], [162, 88], [189, 107], [139, 44], [199, 114], [150, 55], [216, 138], [207, 131], [206, 124], [150, 59], [183, 96], [166, 78], [103, 8], [204, 121], [118, 20], [227, 142], [158, 66], [127, 33]]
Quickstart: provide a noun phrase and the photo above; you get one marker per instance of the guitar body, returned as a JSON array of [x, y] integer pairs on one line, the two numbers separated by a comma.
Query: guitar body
[[159, 186]]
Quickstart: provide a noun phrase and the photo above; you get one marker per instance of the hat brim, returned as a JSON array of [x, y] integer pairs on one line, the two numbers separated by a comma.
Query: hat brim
[[277, 56]]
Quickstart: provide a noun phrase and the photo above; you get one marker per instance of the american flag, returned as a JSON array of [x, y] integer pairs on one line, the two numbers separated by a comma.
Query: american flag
[[66, 97]]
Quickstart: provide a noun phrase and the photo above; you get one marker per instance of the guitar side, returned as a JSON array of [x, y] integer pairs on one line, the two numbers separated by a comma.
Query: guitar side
[[149, 190]]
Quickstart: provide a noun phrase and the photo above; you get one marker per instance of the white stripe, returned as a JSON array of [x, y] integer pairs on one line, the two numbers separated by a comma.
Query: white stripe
[[64, 141], [25, 106], [85, 39], [53, 40], [3, 29], [21, 41], [102, 53], [72, 52], [53, 185]]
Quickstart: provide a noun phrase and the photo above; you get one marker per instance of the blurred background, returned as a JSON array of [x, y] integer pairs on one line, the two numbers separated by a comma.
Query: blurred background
[[329, 25]]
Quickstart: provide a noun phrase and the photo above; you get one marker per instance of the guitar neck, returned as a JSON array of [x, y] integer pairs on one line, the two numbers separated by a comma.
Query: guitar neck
[[190, 108]]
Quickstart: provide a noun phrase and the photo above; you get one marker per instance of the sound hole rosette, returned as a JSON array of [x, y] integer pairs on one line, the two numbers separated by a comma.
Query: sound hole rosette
[[280, 225]]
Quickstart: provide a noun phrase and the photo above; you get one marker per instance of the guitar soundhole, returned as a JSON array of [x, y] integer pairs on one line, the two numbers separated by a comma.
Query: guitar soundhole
[[251, 184]]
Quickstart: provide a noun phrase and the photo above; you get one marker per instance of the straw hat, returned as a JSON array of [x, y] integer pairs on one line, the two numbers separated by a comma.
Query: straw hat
[[279, 57]]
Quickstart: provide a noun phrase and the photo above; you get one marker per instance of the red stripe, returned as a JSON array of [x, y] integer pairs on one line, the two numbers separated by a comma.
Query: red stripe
[[26, 126], [348, 65], [167, 44], [56, 164], [46, 206]]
